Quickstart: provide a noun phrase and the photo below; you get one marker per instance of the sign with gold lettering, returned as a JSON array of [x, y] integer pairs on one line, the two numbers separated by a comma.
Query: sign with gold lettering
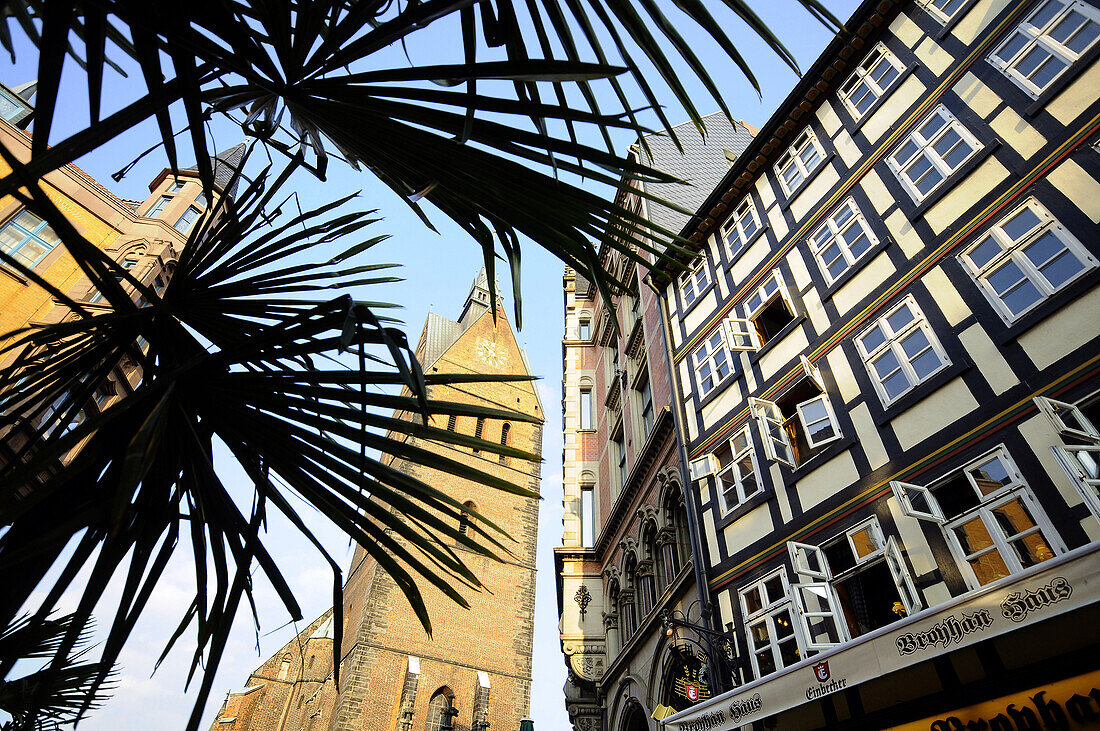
[[1068, 704]]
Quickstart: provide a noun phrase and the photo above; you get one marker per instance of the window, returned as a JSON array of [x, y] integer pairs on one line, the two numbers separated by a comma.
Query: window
[[936, 148], [738, 474], [993, 524], [452, 422], [900, 351], [694, 282], [588, 516], [584, 330], [767, 311], [176, 187], [479, 428], [505, 428], [878, 72], [128, 264], [439, 710], [858, 583], [189, 217], [799, 423], [27, 239], [200, 201], [13, 108], [618, 454], [711, 362], [464, 517], [739, 228], [586, 408], [769, 624], [159, 206], [1024, 259], [1046, 43], [800, 159], [284, 667], [841, 240], [645, 404], [1079, 451], [943, 10]]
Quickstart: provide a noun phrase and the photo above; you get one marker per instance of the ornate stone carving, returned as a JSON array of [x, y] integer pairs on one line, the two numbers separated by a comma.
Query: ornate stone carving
[[587, 658], [610, 621]]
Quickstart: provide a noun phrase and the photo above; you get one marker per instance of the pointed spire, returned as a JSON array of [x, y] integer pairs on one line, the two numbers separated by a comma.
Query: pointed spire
[[477, 301]]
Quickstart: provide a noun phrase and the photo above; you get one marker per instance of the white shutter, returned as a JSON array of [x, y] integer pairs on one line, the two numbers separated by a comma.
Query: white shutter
[[818, 615], [808, 561], [703, 466], [917, 501], [908, 592], [741, 334], [812, 372], [1052, 410]]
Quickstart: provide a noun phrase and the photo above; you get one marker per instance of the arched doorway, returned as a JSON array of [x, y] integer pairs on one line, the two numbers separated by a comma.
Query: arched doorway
[[634, 718]]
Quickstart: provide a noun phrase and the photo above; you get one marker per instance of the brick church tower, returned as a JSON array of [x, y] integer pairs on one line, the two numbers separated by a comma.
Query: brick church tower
[[393, 677]]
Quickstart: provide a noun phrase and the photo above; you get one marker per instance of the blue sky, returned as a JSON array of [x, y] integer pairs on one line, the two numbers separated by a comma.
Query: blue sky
[[438, 270]]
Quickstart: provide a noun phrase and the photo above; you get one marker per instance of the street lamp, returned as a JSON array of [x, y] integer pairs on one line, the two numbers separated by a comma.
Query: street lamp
[[720, 641]]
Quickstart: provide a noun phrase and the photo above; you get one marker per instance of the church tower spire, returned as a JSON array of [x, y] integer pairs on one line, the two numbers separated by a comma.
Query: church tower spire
[[477, 301]]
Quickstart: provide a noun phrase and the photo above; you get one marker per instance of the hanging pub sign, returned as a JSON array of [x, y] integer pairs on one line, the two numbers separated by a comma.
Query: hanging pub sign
[[690, 674]]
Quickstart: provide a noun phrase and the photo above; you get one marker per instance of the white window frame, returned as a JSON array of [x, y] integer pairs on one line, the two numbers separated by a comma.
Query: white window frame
[[182, 224], [588, 516], [1040, 37], [694, 282], [925, 148], [766, 614], [586, 419], [764, 297], [768, 415], [824, 399], [793, 157], [737, 483], [710, 350], [892, 342], [701, 467], [1014, 252], [1000, 542], [823, 576], [741, 334], [863, 75], [1017, 488], [1074, 444], [936, 11], [832, 233], [734, 228]]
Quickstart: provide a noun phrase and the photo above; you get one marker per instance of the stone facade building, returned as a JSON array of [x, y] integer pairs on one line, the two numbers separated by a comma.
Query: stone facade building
[[394, 677], [627, 556], [146, 237], [886, 362]]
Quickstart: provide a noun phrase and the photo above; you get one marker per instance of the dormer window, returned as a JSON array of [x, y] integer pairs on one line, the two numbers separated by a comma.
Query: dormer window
[[187, 219], [159, 206]]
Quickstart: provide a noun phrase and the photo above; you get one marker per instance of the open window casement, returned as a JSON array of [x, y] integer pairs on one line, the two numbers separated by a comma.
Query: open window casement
[[917, 501], [819, 424], [1082, 464], [906, 590], [741, 334], [817, 611], [1068, 420], [812, 372], [808, 561], [777, 444], [703, 466]]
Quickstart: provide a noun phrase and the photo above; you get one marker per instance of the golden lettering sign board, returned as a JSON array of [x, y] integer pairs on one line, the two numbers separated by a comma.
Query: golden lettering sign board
[[1073, 703]]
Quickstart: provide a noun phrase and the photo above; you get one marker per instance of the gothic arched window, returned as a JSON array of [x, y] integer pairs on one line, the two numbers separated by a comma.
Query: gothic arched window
[[504, 429], [436, 707]]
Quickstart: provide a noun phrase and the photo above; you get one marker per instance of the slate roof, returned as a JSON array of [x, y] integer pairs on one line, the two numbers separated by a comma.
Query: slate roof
[[703, 164], [225, 164], [442, 333]]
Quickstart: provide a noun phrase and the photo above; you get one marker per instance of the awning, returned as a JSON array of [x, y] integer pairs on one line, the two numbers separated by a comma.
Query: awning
[[1053, 587]]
